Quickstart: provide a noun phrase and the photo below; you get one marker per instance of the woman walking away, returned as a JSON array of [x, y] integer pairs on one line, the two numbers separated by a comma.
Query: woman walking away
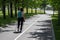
[[20, 19]]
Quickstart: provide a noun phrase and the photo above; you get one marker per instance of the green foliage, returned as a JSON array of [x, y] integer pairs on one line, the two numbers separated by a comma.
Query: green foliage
[[8, 20], [56, 27], [55, 3], [0, 3], [26, 3]]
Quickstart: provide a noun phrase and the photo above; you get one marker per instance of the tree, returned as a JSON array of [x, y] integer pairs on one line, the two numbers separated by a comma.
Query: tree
[[15, 6], [56, 5], [8, 7], [3, 9], [11, 11]]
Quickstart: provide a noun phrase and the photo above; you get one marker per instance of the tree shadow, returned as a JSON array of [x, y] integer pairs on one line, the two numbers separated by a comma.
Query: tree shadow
[[46, 34], [16, 32], [45, 25], [12, 24], [1, 31], [43, 33], [7, 30], [47, 21]]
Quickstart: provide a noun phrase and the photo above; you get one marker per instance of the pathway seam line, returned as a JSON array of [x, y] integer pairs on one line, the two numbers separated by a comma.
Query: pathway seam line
[[26, 29]]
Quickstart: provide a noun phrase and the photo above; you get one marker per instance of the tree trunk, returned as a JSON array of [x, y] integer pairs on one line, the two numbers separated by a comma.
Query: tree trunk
[[3, 9], [8, 10], [11, 11], [23, 4], [44, 6], [36, 10], [27, 10], [31, 10], [15, 11], [44, 10], [15, 8]]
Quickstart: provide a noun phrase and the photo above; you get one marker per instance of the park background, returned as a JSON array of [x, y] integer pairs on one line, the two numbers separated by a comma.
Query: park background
[[9, 8]]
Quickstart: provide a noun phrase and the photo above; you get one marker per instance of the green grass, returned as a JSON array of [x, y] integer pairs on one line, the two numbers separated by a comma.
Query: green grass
[[8, 20], [56, 27]]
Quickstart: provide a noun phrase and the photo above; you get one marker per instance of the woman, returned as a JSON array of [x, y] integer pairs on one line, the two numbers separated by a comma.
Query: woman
[[20, 19]]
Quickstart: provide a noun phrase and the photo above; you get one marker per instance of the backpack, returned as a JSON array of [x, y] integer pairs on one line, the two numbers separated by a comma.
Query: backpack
[[19, 14]]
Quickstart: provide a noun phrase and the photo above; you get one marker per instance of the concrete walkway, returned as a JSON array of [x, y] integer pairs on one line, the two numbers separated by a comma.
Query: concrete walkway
[[38, 27]]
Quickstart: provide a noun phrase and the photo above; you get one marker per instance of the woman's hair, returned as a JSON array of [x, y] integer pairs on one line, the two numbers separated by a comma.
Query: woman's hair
[[18, 8], [21, 9]]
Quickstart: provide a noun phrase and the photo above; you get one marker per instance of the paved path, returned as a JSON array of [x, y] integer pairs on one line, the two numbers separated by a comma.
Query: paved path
[[37, 27]]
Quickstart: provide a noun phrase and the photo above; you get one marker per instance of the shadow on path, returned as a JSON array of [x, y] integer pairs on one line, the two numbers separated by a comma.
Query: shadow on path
[[6, 31], [43, 33]]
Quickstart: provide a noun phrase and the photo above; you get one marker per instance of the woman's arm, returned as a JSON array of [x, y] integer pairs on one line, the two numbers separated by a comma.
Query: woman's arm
[[23, 15]]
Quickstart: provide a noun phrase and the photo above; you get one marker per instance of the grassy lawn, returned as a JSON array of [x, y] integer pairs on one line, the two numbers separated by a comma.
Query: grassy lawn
[[9, 20], [56, 27]]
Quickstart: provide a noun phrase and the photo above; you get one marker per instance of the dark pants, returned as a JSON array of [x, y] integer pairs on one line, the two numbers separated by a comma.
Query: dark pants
[[20, 23]]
